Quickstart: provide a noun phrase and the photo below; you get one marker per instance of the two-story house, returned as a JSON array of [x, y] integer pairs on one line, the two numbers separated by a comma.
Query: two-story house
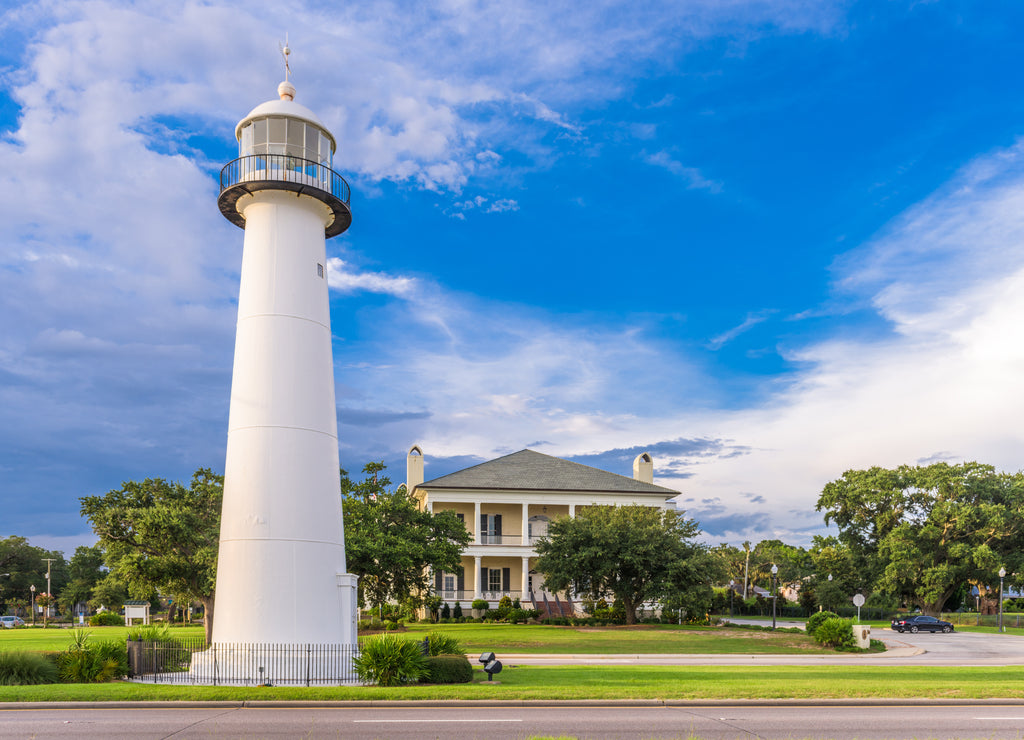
[[507, 504]]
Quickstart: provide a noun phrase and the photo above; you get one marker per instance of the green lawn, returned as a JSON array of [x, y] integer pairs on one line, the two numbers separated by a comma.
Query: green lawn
[[534, 638], [38, 639], [641, 639], [600, 682]]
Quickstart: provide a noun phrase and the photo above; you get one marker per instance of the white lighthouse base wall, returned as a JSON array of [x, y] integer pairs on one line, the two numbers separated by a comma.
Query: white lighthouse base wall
[[289, 594]]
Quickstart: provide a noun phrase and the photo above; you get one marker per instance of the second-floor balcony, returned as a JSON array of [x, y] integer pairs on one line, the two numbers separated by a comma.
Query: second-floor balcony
[[254, 172], [509, 539]]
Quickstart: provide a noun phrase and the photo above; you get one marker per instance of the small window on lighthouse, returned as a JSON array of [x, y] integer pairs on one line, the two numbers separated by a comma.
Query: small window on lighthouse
[[319, 270]]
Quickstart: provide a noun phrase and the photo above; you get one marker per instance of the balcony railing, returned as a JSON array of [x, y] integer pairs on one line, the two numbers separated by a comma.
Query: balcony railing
[[501, 539], [284, 172]]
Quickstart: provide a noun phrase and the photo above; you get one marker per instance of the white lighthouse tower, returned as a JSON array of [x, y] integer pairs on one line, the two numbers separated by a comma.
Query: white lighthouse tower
[[281, 576]]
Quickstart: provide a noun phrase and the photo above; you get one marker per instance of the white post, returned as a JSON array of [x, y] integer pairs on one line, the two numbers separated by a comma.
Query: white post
[[476, 522], [476, 578]]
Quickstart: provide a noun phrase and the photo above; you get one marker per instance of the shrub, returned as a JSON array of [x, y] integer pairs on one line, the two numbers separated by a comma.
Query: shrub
[[504, 605], [448, 669], [480, 604], [106, 619], [85, 662], [389, 660], [446, 612], [442, 644], [835, 632], [517, 615], [391, 626], [457, 611], [26, 669], [816, 619]]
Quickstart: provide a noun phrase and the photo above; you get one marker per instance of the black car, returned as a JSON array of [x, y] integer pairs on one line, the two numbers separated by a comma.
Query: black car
[[920, 623]]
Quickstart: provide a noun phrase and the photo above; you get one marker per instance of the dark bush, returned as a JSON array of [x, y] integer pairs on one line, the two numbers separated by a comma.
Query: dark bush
[[480, 604], [457, 611], [106, 619], [92, 662], [448, 669], [816, 619], [446, 611], [26, 669]]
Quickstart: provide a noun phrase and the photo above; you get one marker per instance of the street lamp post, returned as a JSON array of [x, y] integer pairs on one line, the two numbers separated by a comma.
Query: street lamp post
[[32, 588], [775, 591], [732, 593], [1002, 575]]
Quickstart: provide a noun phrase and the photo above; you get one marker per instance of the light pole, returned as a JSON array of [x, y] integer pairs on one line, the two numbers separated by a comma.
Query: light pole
[[732, 593], [775, 591], [32, 588], [1002, 575]]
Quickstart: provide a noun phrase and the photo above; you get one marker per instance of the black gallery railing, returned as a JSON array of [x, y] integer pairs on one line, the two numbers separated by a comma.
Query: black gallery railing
[[192, 661], [284, 168]]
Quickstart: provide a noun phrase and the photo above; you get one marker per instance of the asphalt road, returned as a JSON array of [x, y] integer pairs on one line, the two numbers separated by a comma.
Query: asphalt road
[[515, 723]]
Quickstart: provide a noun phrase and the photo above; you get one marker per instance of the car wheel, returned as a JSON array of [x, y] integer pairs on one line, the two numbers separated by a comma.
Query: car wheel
[[900, 630], [947, 628], [913, 628]]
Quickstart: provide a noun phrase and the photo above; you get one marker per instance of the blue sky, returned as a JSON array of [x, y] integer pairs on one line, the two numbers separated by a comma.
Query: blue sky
[[767, 242]]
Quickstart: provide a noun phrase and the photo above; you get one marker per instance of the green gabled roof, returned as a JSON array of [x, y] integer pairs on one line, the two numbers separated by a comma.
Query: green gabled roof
[[527, 470]]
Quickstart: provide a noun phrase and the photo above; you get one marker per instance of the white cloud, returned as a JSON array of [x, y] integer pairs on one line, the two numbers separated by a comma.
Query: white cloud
[[340, 278]]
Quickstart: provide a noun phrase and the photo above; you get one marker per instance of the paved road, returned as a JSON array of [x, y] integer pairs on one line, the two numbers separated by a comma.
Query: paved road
[[781, 720]]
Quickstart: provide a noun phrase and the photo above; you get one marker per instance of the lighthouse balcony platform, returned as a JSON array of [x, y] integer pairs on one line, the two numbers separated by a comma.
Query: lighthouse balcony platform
[[255, 172]]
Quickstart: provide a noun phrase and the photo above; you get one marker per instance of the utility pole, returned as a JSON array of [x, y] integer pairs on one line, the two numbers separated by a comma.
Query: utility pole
[[48, 562]]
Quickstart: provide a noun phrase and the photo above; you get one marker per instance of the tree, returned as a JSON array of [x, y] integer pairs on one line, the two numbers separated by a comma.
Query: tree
[[26, 565], [161, 535], [390, 543], [85, 571], [921, 532], [631, 553]]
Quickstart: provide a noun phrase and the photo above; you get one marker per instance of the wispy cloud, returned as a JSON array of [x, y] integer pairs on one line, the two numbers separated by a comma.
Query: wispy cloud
[[752, 320], [692, 175]]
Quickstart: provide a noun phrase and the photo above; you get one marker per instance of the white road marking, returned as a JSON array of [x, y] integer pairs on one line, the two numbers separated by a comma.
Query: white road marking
[[395, 721]]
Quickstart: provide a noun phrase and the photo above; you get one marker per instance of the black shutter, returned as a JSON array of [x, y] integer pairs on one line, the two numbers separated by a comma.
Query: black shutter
[[461, 578], [506, 579], [497, 524], [483, 579], [483, 529], [438, 583], [461, 518]]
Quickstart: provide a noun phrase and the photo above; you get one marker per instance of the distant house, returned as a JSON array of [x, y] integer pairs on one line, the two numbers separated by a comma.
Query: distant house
[[507, 504]]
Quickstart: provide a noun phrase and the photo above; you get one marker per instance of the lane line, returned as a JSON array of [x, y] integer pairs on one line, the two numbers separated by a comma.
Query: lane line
[[399, 721]]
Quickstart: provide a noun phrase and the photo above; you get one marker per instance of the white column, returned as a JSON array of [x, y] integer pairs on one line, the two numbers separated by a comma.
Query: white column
[[476, 522], [281, 574], [526, 576], [526, 524], [476, 578], [572, 511]]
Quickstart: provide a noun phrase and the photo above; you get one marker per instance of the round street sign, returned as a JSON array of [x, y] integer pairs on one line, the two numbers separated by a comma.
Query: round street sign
[[858, 600]]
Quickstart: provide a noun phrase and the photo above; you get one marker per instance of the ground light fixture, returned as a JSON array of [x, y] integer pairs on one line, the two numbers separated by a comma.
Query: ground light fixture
[[491, 665]]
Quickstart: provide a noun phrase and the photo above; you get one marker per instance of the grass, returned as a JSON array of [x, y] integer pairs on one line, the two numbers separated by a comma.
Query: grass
[[605, 640], [38, 639], [602, 683]]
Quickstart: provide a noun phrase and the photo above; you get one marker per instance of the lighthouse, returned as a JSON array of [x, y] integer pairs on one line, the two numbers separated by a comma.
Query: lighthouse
[[281, 576]]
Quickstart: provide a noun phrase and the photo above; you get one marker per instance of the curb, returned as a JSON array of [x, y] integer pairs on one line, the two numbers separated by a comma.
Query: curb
[[463, 703]]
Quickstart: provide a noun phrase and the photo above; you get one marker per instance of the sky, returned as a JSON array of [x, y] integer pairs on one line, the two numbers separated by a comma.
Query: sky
[[767, 242]]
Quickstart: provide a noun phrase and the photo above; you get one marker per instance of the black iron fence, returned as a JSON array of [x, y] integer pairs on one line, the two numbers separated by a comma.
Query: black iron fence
[[284, 168], [192, 661]]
